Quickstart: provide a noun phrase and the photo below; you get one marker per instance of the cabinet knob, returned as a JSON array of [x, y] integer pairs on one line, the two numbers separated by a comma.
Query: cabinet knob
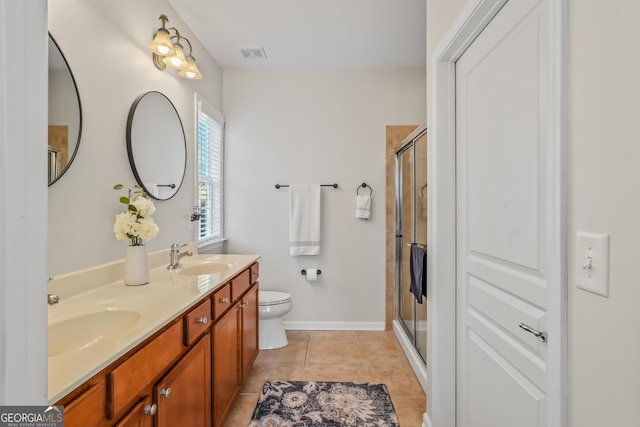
[[165, 392], [150, 409], [225, 300], [202, 321]]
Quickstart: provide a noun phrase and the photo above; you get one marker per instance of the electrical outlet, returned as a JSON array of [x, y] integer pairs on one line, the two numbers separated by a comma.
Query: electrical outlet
[[592, 262]]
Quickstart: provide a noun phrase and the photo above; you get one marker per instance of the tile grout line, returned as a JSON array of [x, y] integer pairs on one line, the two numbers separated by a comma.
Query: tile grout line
[[363, 342], [306, 354]]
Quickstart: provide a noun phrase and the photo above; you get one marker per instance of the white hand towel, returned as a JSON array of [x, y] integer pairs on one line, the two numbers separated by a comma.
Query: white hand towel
[[304, 219], [363, 206]]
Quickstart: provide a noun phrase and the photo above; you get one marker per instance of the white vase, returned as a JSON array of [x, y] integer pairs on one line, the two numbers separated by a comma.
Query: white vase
[[136, 266]]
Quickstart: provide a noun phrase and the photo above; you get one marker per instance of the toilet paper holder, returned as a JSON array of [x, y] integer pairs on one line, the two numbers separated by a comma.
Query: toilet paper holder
[[304, 272]]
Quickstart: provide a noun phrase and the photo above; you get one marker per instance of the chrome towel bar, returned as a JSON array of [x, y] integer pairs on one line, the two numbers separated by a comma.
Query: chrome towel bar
[[321, 185], [424, 245]]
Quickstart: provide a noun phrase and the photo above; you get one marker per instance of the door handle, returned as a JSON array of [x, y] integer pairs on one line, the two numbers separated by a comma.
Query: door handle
[[542, 336]]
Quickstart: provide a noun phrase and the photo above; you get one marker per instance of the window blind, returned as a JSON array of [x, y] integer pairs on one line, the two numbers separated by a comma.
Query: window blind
[[210, 135]]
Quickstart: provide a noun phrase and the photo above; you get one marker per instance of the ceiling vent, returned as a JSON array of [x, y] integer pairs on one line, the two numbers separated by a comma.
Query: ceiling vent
[[253, 52]]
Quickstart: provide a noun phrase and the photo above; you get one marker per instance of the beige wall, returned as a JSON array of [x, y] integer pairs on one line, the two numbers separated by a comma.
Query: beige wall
[[316, 125], [603, 196]]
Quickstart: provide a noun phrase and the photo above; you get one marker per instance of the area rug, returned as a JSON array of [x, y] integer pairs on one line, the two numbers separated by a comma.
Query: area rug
[[323, 404]]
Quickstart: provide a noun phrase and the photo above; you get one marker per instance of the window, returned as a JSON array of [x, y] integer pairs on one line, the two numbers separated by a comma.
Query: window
[[209, 197]]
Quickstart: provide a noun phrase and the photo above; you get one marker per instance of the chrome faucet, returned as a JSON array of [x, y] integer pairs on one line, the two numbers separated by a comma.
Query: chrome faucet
[[176, 256], [52, 299]]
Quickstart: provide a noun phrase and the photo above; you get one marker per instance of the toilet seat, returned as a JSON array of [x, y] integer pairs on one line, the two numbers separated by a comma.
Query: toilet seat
[[267, 298]]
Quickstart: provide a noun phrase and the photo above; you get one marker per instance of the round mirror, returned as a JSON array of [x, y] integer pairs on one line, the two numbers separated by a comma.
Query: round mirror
[[156, 145], [65, 114]]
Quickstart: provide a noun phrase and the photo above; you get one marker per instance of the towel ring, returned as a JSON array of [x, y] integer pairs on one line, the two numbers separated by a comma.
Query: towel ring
[[364, 185]]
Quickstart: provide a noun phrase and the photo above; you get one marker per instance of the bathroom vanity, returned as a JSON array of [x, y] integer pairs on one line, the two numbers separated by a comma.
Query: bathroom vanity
[[173, 352]]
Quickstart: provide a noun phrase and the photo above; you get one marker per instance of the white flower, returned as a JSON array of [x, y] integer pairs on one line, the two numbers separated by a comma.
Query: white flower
[[147, 228], [135, 224], [144, 206], [122, 226]]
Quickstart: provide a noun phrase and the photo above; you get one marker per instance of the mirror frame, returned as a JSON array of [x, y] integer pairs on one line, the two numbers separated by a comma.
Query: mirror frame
[[130, 145], [75, 85]]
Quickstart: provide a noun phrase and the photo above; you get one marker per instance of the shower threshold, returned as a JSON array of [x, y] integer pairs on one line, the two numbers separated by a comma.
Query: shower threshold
[[415, 360]]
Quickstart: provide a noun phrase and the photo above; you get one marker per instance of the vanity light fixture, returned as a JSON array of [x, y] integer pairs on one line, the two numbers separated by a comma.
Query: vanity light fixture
[[168, 53]]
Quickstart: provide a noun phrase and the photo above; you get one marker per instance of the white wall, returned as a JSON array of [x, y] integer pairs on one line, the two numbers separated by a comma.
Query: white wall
[[440, 16], [23, 199], [105, 45], [603, 196], [326, 126]]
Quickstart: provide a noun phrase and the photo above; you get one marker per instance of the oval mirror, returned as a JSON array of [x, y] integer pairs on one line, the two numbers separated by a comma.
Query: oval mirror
[[65, 114], [156, 145]]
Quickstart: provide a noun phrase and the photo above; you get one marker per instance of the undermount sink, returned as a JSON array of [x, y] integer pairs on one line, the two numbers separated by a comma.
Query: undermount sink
[[83, 331], [205, 268]]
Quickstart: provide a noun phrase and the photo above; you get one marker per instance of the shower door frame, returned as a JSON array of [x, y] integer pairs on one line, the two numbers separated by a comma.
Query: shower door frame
[[407, 337]]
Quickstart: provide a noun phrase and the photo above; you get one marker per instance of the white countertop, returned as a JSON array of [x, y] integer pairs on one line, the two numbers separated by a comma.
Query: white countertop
[[166, 296]]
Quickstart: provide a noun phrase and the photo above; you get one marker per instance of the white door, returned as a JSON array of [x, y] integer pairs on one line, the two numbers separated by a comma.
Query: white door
[[505, 221]]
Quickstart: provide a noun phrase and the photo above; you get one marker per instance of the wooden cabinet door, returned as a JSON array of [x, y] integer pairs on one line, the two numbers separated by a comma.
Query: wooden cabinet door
[[87, 408], [226, 374], [140, 416], [183, 395], [249, 350]]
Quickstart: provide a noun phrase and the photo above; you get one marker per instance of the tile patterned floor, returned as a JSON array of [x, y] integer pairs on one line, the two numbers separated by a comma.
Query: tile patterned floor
[[356, 356]]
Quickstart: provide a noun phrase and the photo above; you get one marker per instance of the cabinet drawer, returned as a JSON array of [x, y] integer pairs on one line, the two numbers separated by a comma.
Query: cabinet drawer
[[197, 322], [87, 408], [125, 382], [221, 301], [255, 272], [240, 284]]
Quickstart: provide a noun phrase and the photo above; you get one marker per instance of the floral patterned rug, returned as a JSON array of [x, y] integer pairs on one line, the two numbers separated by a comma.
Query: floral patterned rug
[[323, 404]]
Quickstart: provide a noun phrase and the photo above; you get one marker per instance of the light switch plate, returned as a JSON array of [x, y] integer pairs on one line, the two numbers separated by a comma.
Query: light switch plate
[[592, 262]]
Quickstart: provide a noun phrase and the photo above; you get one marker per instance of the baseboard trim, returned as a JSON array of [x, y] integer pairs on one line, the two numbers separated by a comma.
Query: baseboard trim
[[333, 326], [416, 362], [426, 421]]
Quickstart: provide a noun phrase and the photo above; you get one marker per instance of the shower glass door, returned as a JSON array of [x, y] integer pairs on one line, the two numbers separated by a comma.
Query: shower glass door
[[411, 227]]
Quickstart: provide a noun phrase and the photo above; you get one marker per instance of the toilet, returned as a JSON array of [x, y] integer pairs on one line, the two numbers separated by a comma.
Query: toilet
[[273, 305]]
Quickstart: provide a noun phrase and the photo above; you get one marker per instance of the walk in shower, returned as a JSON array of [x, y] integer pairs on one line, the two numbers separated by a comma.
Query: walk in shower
[[411, 228]]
